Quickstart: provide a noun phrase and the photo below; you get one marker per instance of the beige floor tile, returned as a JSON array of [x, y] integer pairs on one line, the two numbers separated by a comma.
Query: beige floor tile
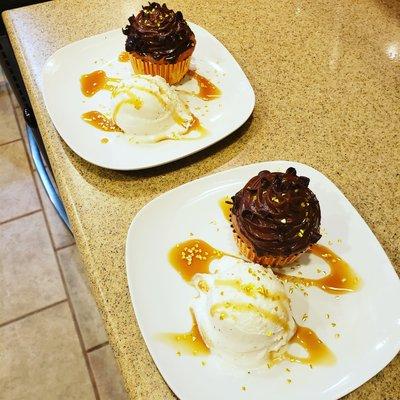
[[41, 358], [61, 235], [9, 128], [87, 315], [29, 274], [107, 375], [17, 189]]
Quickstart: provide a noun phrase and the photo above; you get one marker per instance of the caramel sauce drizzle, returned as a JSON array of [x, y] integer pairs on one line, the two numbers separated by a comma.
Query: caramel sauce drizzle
[[226, 205], [247, 307], [96, 81], [190, 343], [318, 352], [196, 126], [249, 289], [132, 100], [195, 255], [341, 280], [101, 121], [207, 90], [123, 56], [192, 257]]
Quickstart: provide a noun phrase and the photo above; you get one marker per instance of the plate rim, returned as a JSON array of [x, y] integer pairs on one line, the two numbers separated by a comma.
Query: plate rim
[[248, 112], [348, 387]]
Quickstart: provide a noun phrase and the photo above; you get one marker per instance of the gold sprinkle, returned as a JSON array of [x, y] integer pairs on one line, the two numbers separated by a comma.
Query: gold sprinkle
[[327, 316], [319, 270], [287, 369], [203, 363], [333, 324], [337, 335], [305, 294], [311, 366], [288, 380], [244, 388], [269, 365], [203, 286], [269, 333], [248, 372], [304, 317], [178, 353]]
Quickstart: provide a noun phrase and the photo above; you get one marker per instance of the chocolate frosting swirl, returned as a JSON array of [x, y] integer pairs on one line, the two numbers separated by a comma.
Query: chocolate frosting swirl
[[277, 213], [158, 32]]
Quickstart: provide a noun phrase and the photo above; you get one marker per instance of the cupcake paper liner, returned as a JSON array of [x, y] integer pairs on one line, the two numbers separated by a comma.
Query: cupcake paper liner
[[172, 73], [266, 261]]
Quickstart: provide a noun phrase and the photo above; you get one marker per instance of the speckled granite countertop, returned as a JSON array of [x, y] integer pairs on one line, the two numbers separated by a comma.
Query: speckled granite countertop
[[327, 80]]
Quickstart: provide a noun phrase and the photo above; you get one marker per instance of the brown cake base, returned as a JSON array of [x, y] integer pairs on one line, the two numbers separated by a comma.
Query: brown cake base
[[172, 73], [266, 261]]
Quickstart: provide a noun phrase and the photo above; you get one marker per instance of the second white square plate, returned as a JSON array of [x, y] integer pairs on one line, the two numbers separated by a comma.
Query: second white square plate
[[65, 102], [367, 321]]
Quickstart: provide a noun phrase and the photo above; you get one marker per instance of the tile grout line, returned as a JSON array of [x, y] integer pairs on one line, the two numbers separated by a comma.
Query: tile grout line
[[20, 216], [78, 332], [97, 347], [71, 309], [64, 247], [32, 313], [11, 141]]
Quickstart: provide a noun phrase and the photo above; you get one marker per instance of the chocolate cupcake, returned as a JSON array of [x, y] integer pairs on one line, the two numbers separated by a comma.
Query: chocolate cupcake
[[159, 42], [275, 217]]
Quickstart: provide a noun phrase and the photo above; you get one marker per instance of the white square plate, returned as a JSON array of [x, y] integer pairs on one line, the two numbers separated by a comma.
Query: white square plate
[[368, 321], [65, 102]]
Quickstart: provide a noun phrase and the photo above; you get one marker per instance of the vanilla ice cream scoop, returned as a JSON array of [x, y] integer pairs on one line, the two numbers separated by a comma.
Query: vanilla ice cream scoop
[[149, 110], [242, 311]]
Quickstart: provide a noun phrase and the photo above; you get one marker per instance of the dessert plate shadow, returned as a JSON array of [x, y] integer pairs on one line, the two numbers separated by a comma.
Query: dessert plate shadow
[[65, 102], [366, 332]]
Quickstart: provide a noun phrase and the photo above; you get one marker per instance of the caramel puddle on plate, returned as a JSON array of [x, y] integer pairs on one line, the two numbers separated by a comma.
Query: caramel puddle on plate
[[226, 204], [96, 81], [190, 343], [341, 280], [207, 90], [318, 352], [195, 126], [123, 56], [100, 121], [193, 256]]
